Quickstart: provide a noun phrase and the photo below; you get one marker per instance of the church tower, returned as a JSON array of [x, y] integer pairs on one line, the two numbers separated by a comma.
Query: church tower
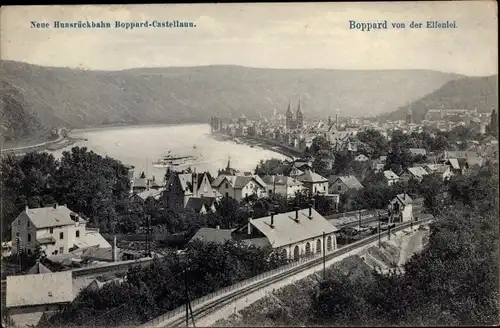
[[299, 117], [289, 118]]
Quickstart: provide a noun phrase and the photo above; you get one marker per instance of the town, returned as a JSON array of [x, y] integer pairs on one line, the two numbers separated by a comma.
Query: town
[[115, 235]]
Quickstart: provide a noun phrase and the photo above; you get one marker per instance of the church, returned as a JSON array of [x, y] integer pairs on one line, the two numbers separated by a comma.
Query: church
[[297, 122]]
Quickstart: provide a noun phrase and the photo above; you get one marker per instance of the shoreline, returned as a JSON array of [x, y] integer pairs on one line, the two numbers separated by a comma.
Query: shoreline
[[260, 142], [126, 126]]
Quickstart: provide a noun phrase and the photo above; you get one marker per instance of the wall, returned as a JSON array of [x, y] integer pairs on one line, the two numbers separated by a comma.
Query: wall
[[312, 241], [224, 187]]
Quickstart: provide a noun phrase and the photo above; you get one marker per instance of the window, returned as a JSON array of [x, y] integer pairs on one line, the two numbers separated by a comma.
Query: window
[[29, 238], [226, 185], [339, 188], [227, 194], [51, 230], [246, 195], [29, 251], [61, 250], [19, 222], [77, 233], [28, 223], [61, 235]]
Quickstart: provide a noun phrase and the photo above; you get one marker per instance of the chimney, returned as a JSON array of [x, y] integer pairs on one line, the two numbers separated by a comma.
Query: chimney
[[297, 212], [217, 227], [27, 208], [114, 250], [55, 205], [404, 196], [310, 210], [249, 225], [272, 219]]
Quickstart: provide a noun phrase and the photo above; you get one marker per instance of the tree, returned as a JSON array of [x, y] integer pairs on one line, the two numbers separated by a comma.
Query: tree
[[375, 142], [320, 143], [322, 163], [269, 167]]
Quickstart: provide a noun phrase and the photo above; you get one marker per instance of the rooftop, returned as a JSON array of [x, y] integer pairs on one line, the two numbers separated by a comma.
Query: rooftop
[[286, 230], [39, 289], [53, 216]]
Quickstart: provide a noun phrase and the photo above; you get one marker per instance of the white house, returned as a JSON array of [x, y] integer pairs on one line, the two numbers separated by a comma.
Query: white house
[[240, 186], [314, 182], [56, 229], [402, 207], [391, 177], [294, 234], [283, 185]]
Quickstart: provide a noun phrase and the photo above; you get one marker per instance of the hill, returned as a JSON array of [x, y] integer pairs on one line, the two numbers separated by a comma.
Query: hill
[[53, 97], [464, 93]]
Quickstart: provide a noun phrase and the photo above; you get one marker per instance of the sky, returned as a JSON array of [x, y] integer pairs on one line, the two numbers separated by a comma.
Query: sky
[[293, 35]]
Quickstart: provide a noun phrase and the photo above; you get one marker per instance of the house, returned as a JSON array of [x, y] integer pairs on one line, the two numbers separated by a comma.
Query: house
[[240, 186], [140, 185], [294, 234], [417, 173], [458, 166], [345, 184], [402, 208], [418, 151], [391, 177], [442, 170], [361, 158], [283, 185], [29, 296], [183, 186], [56, 229], [314, 182]]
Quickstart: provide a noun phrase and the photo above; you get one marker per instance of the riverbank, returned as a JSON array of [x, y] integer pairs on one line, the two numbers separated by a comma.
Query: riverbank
[[51, 145], [261, 143]]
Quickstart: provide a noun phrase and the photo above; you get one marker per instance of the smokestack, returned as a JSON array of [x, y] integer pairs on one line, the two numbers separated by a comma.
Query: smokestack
[[114, 255]]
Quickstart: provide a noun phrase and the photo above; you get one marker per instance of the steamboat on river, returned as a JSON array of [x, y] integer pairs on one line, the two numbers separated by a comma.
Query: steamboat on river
[[173, 160]]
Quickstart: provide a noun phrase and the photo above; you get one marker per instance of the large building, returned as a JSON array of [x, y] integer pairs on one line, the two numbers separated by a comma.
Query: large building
[[297, 122], [443, 114], [296, 234], [55, 229]]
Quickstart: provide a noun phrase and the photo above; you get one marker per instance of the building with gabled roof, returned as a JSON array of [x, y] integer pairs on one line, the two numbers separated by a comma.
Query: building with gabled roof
[[391, 177], [344, 184], [240, 186], [316, 183], [183, 186], [33, 294], [294, 234], [416, 172], [283, 185], [402, 208]]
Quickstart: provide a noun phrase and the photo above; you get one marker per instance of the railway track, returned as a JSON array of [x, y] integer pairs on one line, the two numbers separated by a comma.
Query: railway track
[[200, 309]]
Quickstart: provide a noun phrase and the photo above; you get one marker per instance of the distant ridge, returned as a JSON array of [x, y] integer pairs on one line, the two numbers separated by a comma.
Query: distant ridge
[[48, 97], [465, 93]]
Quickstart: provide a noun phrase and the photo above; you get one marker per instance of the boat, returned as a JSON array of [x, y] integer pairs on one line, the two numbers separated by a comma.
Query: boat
[[174, 160]]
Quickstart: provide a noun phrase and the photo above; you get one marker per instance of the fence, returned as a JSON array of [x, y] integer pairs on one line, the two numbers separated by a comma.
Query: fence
[[229, 289], [256, 280]]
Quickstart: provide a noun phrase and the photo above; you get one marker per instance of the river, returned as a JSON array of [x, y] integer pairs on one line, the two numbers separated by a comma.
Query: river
[[140, 146]]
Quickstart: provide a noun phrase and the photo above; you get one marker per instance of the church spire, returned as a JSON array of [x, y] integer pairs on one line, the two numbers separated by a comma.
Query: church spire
[[289, 107], [298, 108]]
